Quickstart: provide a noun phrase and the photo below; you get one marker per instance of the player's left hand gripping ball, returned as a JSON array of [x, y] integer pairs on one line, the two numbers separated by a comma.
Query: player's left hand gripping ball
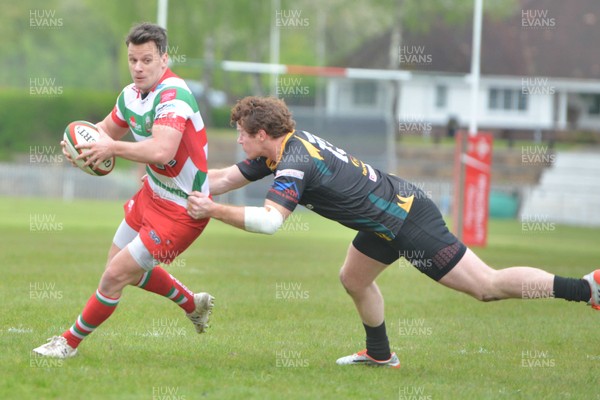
[[78, 132]]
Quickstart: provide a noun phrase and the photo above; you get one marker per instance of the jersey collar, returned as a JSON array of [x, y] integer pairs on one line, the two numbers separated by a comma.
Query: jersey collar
[[272, 164]]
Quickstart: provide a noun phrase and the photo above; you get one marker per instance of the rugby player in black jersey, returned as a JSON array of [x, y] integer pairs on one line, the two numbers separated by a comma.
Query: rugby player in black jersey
[[393, 218]]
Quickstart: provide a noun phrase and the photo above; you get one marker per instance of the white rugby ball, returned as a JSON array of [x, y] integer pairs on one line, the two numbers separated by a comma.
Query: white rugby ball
[[78, 132]]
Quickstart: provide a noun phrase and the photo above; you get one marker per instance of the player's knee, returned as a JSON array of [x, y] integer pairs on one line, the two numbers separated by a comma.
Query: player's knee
[[350, 283], [484, 290], [113, 280], [486, 297], [344, 280], [119, 273]]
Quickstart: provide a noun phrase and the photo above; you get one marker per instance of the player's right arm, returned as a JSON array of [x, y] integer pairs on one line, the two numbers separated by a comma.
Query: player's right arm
[[238, 175], [226, 179], [267, 219]]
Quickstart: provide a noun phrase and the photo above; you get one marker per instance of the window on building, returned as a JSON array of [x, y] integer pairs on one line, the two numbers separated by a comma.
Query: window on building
[[521, 101], [507, 99], [364, 92], [493, 99], [441, 96], [593, 103]]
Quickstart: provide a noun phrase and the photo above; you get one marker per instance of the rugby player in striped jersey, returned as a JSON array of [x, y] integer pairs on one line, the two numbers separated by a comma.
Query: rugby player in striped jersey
[[170, 139]]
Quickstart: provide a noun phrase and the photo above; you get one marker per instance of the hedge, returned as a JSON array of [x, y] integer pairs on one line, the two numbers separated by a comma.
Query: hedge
[[28, 119], [36, 119]]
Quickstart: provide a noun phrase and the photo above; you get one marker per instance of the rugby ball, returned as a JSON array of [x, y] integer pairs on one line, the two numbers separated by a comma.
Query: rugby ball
[[78, 132]]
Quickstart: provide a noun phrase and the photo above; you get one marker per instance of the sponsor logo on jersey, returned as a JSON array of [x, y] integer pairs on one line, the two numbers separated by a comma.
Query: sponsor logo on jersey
[[154, 237], [372, 174], [161, 108], [287, 190], [293, 173], [164, 115], [171, 164], [168, 95]]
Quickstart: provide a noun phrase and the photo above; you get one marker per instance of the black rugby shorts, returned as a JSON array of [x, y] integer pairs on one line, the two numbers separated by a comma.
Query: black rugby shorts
[[424, 240]]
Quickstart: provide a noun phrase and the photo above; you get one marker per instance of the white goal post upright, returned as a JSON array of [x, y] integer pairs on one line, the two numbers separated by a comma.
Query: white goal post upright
[[162, 12], [475, 66], [472, 177]]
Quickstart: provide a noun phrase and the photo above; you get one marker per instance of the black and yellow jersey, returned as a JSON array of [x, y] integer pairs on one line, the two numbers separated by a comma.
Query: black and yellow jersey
[[325, 179]]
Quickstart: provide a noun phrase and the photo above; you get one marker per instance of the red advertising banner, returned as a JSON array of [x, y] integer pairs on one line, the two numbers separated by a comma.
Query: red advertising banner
[[471, 199]]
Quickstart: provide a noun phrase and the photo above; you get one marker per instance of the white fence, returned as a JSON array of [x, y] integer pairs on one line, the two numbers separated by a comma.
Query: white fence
[[569, 191], [60, 180]]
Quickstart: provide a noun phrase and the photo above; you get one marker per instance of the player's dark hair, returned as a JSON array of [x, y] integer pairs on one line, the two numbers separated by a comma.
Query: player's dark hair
[[268, 113], [147, 32]]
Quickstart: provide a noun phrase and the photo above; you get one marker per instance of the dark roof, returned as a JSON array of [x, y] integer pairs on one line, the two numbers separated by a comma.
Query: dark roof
[[551, 38]]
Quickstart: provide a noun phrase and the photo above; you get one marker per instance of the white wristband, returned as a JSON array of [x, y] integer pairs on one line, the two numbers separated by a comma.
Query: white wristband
[[262, 219]]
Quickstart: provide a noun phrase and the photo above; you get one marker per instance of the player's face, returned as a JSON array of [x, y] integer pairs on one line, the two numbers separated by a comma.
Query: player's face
[[146, 65], [252, 145]]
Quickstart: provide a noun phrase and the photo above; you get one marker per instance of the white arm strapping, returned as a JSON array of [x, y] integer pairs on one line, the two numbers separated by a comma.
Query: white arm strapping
[[262, 219]]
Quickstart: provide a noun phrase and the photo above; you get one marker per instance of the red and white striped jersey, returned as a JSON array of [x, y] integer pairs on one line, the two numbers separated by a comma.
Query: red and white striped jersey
[[169, 103]]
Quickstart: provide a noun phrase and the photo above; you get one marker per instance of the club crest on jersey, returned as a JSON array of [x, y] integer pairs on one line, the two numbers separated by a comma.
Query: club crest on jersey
[[137, 127], [148, 123]]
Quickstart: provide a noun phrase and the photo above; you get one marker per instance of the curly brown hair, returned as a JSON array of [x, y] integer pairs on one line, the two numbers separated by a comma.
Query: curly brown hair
[[271, 114]]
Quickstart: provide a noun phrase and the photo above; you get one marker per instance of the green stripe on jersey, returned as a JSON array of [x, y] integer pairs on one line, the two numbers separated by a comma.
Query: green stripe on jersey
[[121, 104], [388, 207], [158, 183], [180, 94], [374, 226], [199, 180]]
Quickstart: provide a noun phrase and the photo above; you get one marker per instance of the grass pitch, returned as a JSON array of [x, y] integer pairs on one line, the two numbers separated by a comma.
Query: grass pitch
[[281, 317]]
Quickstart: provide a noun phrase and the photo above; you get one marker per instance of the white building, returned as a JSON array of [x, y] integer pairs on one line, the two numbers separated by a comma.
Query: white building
[[539, 72]]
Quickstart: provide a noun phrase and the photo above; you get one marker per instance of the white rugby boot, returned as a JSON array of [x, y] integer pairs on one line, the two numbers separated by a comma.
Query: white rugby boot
[[362, 358], [204, 304], [56, 347]]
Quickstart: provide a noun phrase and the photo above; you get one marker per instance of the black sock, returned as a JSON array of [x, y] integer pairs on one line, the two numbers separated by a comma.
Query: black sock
[[571, 289], [378, 346]]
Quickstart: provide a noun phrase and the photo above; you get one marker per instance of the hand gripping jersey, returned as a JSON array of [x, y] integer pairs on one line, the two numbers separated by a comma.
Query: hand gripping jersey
[[325, 179], [169, 103]]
